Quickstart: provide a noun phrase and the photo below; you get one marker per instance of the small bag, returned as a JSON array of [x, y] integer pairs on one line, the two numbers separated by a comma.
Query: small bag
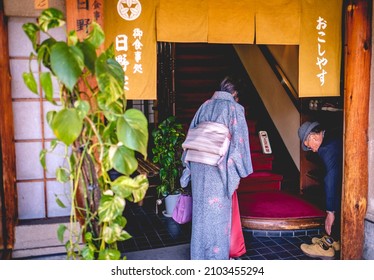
[[183, 209]]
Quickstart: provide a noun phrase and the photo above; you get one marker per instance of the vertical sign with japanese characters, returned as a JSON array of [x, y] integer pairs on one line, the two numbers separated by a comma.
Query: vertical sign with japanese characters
[[320, 48], [130, 27], [81, 13]]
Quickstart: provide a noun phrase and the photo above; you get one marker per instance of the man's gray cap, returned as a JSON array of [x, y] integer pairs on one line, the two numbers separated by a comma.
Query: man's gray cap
[[304, 131]]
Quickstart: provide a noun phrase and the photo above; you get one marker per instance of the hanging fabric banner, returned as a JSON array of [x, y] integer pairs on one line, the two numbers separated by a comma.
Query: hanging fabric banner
[[231, 22], [131, 27], [182, 21], [277, 22], [320, 48]]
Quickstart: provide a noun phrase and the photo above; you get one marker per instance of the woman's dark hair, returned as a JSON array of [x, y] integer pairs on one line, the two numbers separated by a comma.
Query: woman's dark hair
[[229, 84]]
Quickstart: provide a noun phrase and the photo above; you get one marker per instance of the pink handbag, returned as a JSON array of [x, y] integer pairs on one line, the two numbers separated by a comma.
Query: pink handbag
[[183, 209]]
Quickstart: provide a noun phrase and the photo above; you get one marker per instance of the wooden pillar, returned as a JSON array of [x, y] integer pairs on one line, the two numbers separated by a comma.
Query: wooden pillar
[[356, 102], [8, 161]]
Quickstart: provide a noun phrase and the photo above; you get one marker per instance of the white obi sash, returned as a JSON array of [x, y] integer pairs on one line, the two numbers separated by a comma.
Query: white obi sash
[[207, 143]]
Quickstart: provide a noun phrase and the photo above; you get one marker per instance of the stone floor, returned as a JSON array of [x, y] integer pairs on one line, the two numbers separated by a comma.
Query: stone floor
[[158, 237]]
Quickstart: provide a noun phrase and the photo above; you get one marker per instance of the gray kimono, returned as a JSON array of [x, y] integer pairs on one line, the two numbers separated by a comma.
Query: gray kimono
[[213, 186]]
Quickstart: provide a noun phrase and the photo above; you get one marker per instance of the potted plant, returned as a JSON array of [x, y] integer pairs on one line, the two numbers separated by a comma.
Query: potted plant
[[167, 151], [98, 131]]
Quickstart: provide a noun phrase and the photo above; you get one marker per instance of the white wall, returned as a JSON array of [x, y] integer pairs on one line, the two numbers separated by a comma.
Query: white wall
[[281, 109]]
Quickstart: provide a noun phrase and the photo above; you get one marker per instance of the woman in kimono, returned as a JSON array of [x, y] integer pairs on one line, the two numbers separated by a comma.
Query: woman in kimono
[[213, 186]]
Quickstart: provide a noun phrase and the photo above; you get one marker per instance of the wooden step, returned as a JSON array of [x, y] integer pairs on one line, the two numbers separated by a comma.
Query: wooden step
[[278, 210], [254, 142], [262, 162], [260, 181], [199, 85]]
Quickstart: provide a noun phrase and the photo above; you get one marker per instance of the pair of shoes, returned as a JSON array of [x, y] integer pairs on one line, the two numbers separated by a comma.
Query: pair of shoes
[[330, 107], [328, 241], [318, 250]]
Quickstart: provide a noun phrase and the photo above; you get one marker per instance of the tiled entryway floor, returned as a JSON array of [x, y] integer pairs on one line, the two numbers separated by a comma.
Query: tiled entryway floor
[[151, 229]]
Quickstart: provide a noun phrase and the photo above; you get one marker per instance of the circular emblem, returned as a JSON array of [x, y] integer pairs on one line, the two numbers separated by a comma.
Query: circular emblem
[[129, 9]]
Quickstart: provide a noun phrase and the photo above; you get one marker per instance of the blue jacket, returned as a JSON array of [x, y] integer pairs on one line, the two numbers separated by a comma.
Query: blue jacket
[[331, 153]]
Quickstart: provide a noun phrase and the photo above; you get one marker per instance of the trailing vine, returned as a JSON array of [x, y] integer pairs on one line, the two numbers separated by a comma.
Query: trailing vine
[[97, 130]]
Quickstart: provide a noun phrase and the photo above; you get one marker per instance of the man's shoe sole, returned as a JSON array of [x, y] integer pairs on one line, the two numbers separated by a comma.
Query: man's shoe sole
[[319, 257]]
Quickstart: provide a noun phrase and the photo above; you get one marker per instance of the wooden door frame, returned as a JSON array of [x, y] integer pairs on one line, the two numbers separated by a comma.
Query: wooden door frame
[[358, 22], [9, 191]]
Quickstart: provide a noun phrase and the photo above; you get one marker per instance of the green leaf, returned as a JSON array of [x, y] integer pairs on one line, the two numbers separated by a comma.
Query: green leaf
[[29, 80], [67, 63], [46, 82], [109, 254], [73, 38], [72, 160], [89, 53], [62, 175], [110, 77], [88, 237], [143, 184], [51, 18], [112, 233], [124, 236], [96, 36], [121, 220], [50, 116], [44, 52], [31, 30], [109, 133], [88, 252], [59, 202], [132, 131], [42, 156], [110, 207], [123, 186], [123, 159], [67, 125], [83, 107], [53, 145], [60, 232]]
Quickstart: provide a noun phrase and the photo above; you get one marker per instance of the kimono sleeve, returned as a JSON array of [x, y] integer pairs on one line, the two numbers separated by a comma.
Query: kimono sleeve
[[239, 163]]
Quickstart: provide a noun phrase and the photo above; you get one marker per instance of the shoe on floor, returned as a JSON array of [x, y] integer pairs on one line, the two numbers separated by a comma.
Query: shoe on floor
[[318, 250], [328, 241]]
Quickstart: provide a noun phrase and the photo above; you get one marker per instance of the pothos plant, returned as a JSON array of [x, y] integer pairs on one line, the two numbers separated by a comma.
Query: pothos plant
[[167, 151], [97, 130]]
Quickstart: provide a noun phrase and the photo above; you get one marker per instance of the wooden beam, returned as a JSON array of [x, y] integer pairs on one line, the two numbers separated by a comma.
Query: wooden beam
[[356, 102], [6, 137]]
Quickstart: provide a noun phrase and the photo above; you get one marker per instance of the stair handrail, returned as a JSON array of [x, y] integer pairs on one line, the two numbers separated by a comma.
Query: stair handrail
[[282, 77]]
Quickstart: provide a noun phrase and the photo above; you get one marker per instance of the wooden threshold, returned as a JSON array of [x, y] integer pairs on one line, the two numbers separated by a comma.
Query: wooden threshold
[[282, 224]]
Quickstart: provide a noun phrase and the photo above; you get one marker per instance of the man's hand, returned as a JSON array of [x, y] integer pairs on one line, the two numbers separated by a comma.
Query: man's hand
[[329, 221]]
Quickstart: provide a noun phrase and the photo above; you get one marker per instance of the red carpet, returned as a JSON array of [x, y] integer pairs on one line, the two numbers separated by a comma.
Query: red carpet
[[276, 205]]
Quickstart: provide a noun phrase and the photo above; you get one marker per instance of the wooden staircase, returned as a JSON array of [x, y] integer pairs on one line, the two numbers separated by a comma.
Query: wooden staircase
[[262, 202], [199, 68], [262, 177]]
